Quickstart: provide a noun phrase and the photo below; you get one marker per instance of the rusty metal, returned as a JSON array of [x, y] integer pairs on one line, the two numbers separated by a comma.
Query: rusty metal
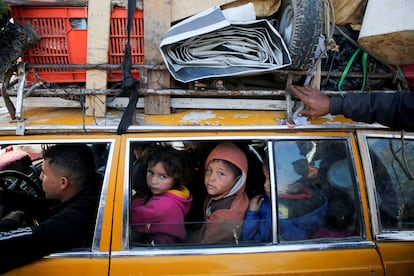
[[62, 92], [9, 104], [161, 67]]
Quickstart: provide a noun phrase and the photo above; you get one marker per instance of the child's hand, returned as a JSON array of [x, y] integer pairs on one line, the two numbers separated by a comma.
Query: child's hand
[[255, 203]]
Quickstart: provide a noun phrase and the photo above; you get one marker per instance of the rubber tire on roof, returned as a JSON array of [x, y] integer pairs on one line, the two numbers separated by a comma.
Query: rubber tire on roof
[[301, 26]]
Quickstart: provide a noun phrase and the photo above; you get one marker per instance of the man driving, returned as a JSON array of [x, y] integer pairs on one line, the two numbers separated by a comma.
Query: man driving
[[63, 219]]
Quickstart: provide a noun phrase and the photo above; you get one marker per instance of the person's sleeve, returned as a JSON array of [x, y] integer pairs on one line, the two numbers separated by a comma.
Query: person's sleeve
[[335, 105], [395, 110], [32, 206], [7, 224], [18, 248], [154, 210], [250, 226]]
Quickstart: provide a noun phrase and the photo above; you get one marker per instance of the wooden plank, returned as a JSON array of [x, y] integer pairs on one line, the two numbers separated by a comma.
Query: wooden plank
[[211, 103], [183, 8], [179, 103], [157, 21], [316, 81], [99, 14], [157, 104], [156, 24], [95, 104], [46, 102]]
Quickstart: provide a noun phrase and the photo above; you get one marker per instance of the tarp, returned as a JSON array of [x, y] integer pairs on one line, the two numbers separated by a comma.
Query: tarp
[[219, 43], [349, 11]]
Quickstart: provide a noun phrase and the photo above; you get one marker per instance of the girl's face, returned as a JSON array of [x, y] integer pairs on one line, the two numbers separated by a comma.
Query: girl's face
[[158, 181], [219, 178], [267, 180]]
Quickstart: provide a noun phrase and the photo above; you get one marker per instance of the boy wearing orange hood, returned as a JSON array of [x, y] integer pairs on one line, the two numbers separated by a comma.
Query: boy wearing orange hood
[[226, 202]]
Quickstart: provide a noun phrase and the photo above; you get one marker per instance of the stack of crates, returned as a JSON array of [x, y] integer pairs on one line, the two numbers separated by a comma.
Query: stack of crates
[[63, 33]]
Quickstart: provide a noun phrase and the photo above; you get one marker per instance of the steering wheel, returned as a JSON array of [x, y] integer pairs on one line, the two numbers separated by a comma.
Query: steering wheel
[[18, 181]]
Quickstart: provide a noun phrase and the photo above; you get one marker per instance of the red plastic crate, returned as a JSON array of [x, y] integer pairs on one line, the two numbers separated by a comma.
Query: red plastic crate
[[408, 70], [63, 40], [118, 37]]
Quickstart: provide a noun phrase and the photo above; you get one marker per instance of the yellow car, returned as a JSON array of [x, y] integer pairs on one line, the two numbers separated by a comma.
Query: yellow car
[[341, 194]]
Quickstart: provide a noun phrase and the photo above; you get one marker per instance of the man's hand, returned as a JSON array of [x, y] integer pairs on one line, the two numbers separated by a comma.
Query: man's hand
[[317, 103], [17, 216]]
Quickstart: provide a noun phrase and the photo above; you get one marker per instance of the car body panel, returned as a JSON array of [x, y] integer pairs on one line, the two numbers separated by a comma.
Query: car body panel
[[268, 263], [79, 261], [300, 259], [61, 120], [395, 246], [397, 256], [112, 254], [96, 265]]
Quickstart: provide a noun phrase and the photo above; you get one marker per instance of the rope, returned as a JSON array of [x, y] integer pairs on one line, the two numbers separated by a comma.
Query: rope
[[348, 67]]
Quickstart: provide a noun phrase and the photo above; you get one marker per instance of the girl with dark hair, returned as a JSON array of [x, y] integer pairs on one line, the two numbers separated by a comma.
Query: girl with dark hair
[[159, 218]]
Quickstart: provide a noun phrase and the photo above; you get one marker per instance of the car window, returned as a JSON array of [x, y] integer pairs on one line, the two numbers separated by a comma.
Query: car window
[[316, 190], [393, 169], [21, 167], [313, 193]]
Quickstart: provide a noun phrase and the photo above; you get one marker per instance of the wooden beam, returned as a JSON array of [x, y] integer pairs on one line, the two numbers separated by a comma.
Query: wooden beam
[[157, 21], [178, 103], [157, 104], [46, 102], [99, 15]]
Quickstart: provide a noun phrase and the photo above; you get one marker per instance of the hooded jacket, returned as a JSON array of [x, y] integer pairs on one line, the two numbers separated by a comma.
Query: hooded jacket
[[160, 219], [224, 214]]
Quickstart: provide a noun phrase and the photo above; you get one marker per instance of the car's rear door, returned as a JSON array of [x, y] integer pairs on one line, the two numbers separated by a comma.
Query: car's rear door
[[330, 253], [389, 168]]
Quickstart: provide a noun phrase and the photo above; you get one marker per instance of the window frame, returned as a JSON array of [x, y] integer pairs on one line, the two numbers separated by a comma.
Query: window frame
[[363, 136], [363, 242], [357, 192], [95, 249]]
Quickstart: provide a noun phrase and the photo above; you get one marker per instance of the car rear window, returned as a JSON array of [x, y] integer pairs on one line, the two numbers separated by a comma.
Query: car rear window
[[393, 169], [313, 195]]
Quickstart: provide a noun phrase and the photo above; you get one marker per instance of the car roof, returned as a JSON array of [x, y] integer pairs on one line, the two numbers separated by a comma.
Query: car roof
[[39, 120]]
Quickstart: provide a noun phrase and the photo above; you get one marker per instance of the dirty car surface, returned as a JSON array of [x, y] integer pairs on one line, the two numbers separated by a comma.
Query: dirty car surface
[[360, 175]]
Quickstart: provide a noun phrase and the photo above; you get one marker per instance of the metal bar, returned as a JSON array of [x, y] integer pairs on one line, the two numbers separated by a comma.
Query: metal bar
[[20, 90], [94, 66], [66, 92], [162, 67], [201, 128]]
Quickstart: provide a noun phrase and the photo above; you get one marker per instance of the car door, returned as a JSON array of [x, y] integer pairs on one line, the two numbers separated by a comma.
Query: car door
[[346, 250], [92, 260], [389, 168]]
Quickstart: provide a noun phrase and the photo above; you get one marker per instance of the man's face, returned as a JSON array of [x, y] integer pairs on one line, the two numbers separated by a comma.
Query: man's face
[[51, 180]]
